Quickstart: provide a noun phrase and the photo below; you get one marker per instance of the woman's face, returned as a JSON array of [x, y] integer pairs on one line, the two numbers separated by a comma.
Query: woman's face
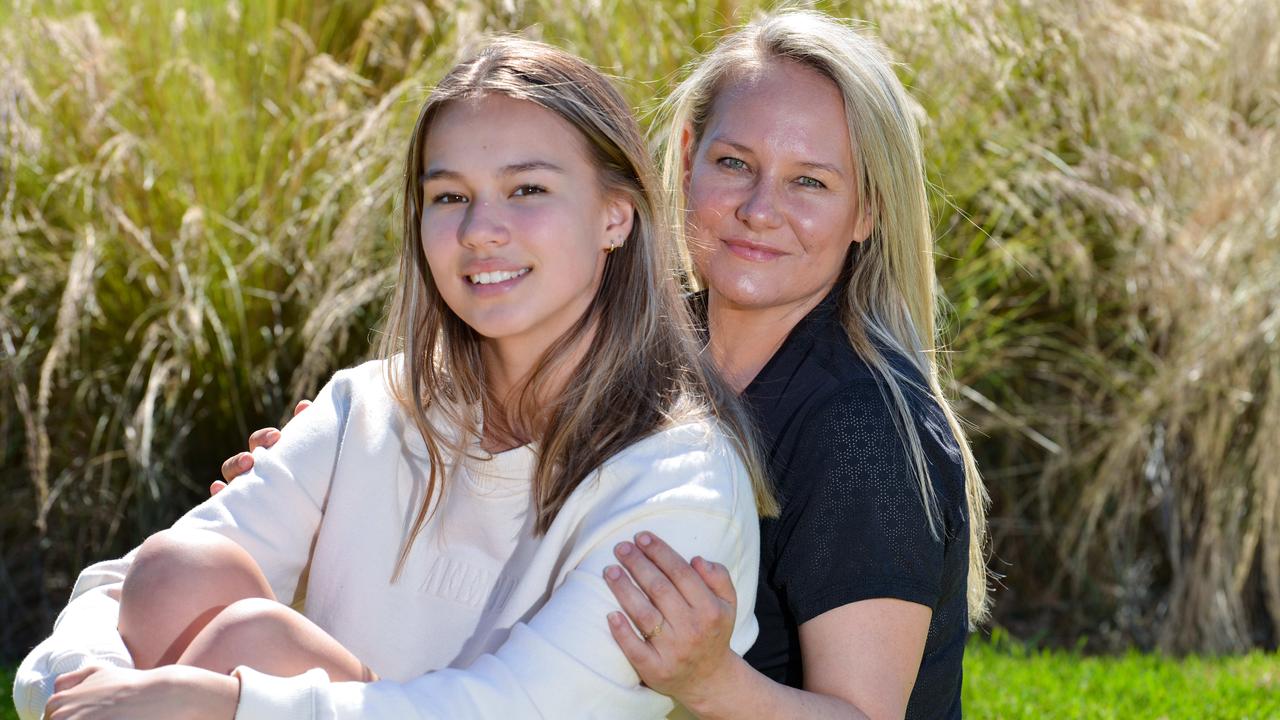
[[515, 222], [771, 190]]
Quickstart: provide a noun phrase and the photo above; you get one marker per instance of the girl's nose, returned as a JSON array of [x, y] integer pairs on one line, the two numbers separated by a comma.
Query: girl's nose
[[482, 226]]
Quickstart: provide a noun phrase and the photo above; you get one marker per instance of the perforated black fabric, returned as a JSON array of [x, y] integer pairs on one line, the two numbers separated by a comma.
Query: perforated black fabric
[[853, 524]]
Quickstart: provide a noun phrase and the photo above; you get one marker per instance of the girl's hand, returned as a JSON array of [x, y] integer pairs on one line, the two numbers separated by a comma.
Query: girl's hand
[[172, 691], [241, 463], [685, 612]]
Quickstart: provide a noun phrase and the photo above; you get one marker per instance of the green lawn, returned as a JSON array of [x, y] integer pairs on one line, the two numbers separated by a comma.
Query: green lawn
[[1007, 680], [1004, 679], [6, 705]]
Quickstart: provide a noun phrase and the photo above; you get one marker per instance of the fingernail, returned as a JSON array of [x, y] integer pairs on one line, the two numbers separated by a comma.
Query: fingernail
[[245, 461], [697, 561], [273, 435], [644, 539], [615, 618], [623, 548], [613, 572]]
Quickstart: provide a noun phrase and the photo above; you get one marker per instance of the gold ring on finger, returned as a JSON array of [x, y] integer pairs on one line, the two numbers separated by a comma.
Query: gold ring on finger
[[656, 631]]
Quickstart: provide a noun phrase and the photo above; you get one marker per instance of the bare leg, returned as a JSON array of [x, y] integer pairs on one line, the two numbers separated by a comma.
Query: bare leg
[[179, 581], [271, 638]]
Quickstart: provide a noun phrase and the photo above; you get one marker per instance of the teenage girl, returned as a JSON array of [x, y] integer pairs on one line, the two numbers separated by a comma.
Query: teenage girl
[[454, 507]]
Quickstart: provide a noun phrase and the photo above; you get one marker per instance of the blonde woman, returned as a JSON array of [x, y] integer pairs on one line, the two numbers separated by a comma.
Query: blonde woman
[[796, 161], [453, 506]]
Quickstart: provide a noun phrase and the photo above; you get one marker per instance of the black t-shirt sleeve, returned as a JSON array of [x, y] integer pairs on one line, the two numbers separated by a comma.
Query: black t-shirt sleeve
[[855, 526]]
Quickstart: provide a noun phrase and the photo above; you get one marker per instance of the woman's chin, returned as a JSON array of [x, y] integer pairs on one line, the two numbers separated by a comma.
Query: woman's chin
[[744, 290]]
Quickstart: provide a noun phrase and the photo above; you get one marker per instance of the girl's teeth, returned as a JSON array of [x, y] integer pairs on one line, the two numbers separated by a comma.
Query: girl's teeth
[[489, 278]]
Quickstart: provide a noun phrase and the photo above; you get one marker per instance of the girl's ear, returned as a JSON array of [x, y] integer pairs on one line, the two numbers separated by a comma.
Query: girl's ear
[[620, 215]]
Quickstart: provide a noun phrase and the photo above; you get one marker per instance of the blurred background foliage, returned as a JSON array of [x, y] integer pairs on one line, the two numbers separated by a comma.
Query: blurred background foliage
[[198, 224]]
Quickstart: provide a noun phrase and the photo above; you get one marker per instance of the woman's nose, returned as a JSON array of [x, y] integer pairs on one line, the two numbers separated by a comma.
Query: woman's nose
[[760, 208]]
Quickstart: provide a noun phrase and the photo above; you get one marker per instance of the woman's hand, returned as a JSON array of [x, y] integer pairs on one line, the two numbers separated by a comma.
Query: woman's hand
[[685, 612], [172, 691], [241, 463]]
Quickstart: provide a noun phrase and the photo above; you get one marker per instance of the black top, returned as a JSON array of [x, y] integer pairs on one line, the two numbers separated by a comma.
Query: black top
[[853, 524]]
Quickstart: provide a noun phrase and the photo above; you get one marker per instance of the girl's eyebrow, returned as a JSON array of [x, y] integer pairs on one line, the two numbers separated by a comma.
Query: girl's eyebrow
[[531, 165], [439, 173]]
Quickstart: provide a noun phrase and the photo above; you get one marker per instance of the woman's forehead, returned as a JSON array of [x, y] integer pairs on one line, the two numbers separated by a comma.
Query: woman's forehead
[[784, 104]]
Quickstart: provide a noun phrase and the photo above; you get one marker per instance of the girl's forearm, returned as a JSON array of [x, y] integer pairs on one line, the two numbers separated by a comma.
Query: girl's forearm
[[746, 694]]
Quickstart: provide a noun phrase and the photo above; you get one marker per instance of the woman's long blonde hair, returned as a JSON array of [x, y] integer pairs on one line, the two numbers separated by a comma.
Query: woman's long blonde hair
[[642, 370], [891, 298]]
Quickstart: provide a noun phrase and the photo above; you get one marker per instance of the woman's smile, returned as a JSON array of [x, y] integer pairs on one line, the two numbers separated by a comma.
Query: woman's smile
[[752, 251]]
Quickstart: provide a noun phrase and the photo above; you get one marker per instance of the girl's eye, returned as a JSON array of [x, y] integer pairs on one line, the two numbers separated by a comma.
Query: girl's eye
[[732, 163], [809, 182], [528, 190], [448, 198]]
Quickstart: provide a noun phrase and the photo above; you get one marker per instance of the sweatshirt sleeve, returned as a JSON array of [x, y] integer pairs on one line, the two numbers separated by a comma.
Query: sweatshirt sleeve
[[272, 512], [563, 662]]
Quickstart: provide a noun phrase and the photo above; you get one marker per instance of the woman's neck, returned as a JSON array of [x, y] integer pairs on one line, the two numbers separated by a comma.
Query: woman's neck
[[743, 339]]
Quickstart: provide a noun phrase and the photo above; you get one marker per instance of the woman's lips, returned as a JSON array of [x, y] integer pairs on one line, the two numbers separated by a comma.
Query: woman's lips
[[754, 252]]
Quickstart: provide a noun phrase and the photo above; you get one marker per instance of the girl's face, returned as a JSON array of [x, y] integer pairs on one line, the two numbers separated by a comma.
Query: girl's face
[[515, 221], [771, 189]]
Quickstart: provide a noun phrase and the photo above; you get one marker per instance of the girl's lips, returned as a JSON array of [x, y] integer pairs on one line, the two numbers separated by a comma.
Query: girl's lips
[[752, 251], [497, 288]]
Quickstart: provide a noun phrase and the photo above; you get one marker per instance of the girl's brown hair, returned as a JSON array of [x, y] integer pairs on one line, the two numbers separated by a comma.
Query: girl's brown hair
[[643, 369]]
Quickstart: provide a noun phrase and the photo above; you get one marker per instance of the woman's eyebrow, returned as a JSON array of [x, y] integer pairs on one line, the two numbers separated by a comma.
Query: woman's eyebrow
[[735, 145], [827, 167]]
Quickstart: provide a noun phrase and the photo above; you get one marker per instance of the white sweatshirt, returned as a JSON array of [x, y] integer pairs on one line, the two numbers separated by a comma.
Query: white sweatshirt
[[487, 620]]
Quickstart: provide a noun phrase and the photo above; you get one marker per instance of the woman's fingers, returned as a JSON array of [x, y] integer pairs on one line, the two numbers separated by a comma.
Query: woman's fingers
[[216, 487], [717, 578], [690, 584], [639, 653], [652, 580], [266, 437], [236, 465], [642, 612]]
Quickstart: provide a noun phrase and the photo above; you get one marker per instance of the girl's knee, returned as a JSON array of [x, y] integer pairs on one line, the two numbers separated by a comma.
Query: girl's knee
[[177, 582], [245, 629], [194, 562], [258, 618]]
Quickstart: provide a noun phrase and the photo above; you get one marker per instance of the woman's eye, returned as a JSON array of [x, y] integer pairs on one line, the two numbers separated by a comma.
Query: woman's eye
[[448, 199], [528, 190], [732, 163], [809, 182]]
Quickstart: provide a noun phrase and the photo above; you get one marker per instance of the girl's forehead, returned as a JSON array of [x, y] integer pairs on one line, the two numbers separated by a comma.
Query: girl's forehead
[[496, 127]]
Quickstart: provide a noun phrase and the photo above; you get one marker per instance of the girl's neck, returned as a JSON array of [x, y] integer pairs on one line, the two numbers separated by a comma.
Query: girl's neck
[[743, 339], [508, 369]]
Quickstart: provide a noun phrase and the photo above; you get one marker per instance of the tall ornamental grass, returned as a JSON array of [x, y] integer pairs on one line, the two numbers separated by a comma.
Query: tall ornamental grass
[[197, 225]]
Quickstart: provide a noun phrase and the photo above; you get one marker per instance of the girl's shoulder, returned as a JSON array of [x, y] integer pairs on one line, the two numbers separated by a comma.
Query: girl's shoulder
[[691, 461]]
